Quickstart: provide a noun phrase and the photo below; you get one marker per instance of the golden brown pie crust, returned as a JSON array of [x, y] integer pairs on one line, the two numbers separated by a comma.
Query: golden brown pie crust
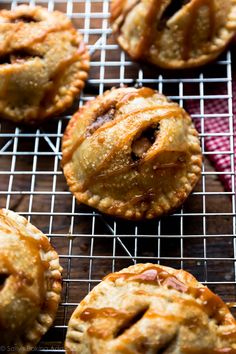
[[131, 153], [149, 308], [30, 283], [174, 33], [43, 63]]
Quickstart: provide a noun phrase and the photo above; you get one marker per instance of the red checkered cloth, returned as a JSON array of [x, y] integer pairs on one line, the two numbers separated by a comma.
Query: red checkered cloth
[[220, 125]]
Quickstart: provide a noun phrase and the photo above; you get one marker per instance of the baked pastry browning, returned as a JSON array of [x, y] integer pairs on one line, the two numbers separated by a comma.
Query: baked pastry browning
[[148, 308], [174, 33], [131, 153], [43, 63], [30, 283]]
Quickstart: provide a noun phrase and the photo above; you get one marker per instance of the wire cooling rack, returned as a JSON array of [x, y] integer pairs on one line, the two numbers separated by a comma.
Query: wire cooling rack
[[200, 237]]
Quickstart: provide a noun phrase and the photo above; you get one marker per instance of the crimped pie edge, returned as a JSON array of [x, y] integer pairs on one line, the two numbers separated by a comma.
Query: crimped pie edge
[[219, 44], [104, 204], [65, 96], [74, 335], [45, 319]]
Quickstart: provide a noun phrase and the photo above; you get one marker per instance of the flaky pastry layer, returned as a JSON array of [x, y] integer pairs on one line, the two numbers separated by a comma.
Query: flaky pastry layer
[[174, 34], [30, 283], [43, 63], [131, 153], [149, 308]]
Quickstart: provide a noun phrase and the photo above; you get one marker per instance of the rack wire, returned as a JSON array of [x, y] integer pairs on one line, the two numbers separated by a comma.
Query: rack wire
[[200, 237]]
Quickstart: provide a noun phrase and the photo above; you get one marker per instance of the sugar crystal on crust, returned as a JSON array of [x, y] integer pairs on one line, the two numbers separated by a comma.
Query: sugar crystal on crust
[[131, 153], [43, 63], [174, 33]]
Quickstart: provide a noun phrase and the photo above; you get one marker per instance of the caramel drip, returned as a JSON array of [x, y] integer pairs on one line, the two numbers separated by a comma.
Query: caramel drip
[[189, 303], [119, 145], [193, 9], [169, 113], [154, 315], [152, 275], [34, 40], [97, 332], [190, 322], [177, 299], [210, 303], [90, 313], [144, 92], [114, 104], [31, 44], [146, 39]]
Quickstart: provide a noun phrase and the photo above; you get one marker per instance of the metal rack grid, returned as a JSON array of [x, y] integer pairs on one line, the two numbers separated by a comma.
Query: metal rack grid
[[200, 237]]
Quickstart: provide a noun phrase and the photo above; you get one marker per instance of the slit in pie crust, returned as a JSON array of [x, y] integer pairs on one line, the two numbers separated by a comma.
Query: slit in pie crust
[[131, 153], [149, 308], [43, 63], [174, 33], [30, 283]]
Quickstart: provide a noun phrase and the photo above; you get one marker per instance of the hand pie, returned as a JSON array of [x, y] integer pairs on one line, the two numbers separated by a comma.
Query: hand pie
[[43, 63], [131, 153], [174, 33], [151, 309], [30, 283]]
